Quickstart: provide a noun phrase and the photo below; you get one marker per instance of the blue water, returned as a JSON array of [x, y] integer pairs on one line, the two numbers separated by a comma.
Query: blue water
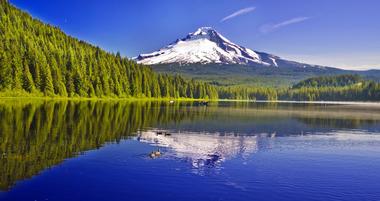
[[228, 153]]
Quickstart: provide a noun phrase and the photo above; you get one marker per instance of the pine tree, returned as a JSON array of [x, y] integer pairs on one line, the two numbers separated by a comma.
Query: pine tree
[[47, 82], [5, 72], [28, 83]]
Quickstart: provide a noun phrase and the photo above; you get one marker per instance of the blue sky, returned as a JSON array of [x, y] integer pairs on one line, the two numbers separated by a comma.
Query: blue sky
[[341, 33]]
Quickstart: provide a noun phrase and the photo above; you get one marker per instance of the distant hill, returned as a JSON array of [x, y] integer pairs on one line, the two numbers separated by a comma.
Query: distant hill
[[234, 74], [323, 88], [330, 81]]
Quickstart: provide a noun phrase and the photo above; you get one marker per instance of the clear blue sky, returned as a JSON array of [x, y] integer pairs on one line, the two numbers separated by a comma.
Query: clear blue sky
[[341, 33]]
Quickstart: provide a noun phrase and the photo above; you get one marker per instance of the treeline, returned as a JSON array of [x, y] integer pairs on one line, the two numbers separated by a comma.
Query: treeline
[[334, 88], [365, 91], [329, 81], [40, 59], [247, 93]]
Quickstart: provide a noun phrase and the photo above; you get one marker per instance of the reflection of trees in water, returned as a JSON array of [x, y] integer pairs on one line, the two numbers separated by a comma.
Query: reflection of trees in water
[[38, 135], [335, 123], [291, 119]]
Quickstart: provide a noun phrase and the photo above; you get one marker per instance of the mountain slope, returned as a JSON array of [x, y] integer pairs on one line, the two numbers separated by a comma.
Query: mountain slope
[[206, 55], [204, 46]]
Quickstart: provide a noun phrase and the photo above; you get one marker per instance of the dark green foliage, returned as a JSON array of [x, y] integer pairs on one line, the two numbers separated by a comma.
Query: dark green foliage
[[248, 93], [365, 91], [39, 58], [333, 81], [333, 88]]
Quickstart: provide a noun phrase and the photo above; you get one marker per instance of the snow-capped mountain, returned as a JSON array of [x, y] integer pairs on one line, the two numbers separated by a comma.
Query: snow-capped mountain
[[205, 46], [208, 56]]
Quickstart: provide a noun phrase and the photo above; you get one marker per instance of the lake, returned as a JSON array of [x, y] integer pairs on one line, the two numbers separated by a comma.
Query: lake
[[101, 150]]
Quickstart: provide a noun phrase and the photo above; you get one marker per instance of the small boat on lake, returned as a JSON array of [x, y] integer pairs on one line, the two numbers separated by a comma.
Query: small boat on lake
[[155, 154], [163, 133]]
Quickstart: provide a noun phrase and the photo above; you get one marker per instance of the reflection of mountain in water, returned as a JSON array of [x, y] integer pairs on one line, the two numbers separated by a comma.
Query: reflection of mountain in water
[[201, 149]]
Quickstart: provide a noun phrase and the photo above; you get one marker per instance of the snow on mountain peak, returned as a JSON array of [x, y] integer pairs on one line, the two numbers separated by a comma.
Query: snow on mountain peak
[[205, 46], [203, 31]]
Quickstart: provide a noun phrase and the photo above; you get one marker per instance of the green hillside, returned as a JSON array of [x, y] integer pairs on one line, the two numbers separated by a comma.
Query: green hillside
[[326, 88], [40, 59], [331, 81]]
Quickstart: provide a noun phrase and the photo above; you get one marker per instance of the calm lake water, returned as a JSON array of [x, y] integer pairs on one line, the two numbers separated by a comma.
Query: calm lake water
[[94, 151]]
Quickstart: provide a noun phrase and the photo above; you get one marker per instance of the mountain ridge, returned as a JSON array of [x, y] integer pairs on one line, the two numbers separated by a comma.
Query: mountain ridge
[[207, 46]]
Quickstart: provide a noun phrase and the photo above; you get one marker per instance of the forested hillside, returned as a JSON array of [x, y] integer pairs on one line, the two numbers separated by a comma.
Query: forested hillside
[[328, 88], [330, 81], [40, 59]]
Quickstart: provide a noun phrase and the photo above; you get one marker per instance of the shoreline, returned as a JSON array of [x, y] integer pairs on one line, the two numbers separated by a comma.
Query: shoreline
[[188, 99], [324, 102], [98, 99], [305, 102]]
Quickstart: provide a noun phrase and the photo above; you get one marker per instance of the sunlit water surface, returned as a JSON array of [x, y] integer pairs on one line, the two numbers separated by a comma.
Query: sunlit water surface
[[225, 151]]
